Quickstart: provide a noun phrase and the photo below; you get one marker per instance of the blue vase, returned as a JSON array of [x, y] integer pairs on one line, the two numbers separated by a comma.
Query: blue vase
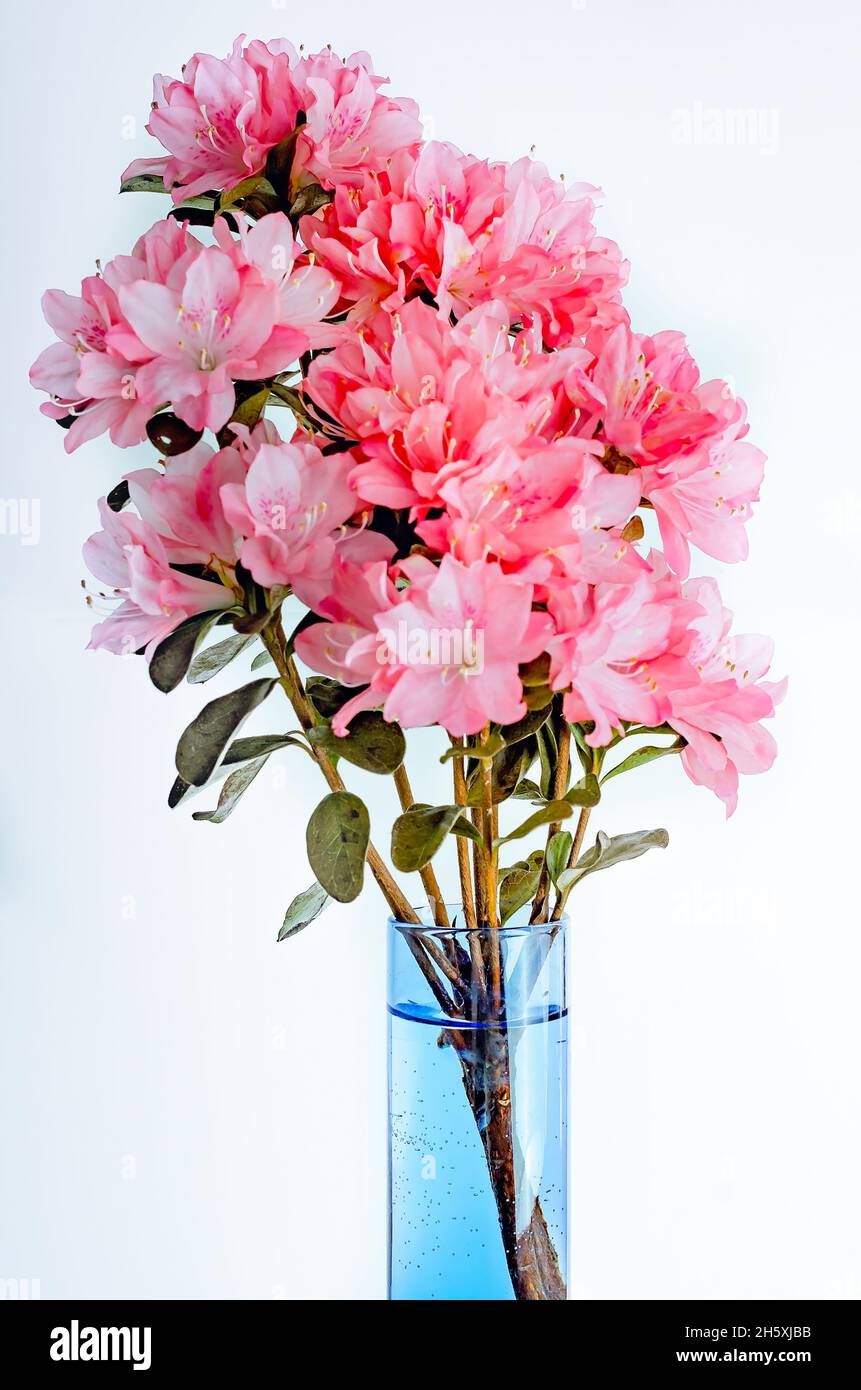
[[478, 1101]]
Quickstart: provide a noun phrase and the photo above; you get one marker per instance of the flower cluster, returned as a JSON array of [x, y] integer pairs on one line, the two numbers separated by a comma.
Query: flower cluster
[[221, 119], [466, 231], [181, 322], [481, 439]]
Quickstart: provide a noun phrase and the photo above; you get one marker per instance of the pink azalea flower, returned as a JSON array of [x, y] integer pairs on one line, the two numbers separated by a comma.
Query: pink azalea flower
[[92, 372], [289, 507], [413, 392], [83, 379], [183, 504], [587, 542], [555, 501], [514, 233], [431, 403], [367, 236], [361, 587], [221, 119], [350, 126], [649, 398], [720, 712], [708, 501], [206, 328], [154, 255], [684, 435], [607, 639], [483, 430], [468, 232], [447, 652], [131, 557], [306, 292]]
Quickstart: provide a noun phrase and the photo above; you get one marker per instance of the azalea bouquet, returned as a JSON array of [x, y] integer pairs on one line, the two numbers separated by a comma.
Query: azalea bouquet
[[484, 500]]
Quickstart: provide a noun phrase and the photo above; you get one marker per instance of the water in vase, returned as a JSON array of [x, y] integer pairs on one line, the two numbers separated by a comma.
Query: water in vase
[[446, 1238]]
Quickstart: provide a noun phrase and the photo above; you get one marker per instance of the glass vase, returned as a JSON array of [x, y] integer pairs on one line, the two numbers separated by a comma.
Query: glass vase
[[478, 1102]]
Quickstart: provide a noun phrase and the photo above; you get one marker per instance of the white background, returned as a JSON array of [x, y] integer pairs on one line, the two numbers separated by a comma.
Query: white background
[[189, 1110]]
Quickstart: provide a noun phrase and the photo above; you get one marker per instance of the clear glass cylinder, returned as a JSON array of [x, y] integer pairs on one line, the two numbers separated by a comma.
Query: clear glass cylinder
[[478, 1111]]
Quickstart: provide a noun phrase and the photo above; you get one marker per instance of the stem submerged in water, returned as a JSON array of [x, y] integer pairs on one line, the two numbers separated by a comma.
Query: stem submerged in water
[[533, 1264], [485, 1058]]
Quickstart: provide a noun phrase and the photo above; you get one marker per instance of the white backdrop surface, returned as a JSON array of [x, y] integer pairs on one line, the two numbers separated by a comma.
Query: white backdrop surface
[[188, 1110]]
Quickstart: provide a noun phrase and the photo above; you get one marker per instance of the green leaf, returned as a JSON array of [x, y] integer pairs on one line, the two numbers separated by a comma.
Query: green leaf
[[584, 752], [518, 884], [172, 657], [371, 743], [548, 753], [527, 790], [529, 724], [291, 398], [506, 771], [643, 755], [537, 697], [177, 792], [608, 851], [464, 827], [118, 496], [255, 190], [304, 909], [328, 696], [234, 788], [308, 200], [279, 162], [208, 663], [558, 851], [204, 741], [144, 183], [263, 607], [536, 672], [261, 659], [250, 403], [586, 792], [153, 183], [634, 729], [195, 215], [552, 811], [244, 748], [418, 834], [493, 744], [337, 842], [249, 410]]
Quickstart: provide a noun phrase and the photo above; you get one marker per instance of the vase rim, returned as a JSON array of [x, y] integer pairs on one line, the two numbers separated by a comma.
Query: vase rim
[[510, 930]]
